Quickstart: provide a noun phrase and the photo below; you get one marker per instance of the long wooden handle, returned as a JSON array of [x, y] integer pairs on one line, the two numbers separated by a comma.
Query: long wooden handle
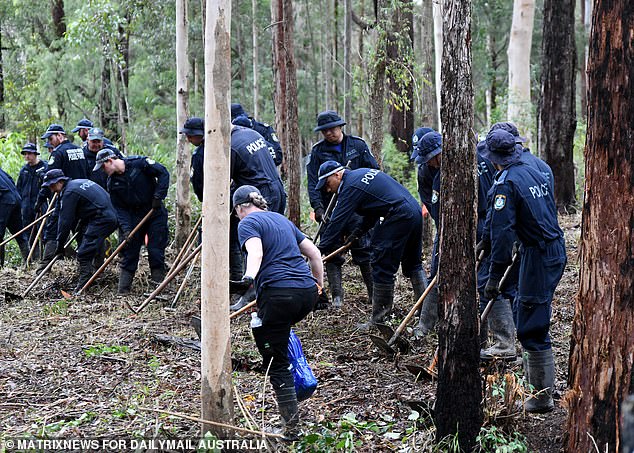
[[413, 311], [187, 243], [489, 306], [51, 206], [48, 267], [116, 252], [243, 309], [341, 249], [169, 278], [49, 212], [183, 283]]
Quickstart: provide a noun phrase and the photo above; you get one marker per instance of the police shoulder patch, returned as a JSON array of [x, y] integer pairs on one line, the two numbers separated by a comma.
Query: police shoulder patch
[[499, 202], [51, 161], [434, 196], [274, 137], [150, 161]]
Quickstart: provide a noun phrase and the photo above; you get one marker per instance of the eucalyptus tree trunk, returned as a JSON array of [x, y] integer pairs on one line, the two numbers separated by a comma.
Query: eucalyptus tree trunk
[[519, 53], [376, 76], [255, 69], [284, 74], [347, 51], [601, 373], [438, 46], [458, 394], [215, 357], [428, 102], [557, 118], [183, 156], [1, 82]]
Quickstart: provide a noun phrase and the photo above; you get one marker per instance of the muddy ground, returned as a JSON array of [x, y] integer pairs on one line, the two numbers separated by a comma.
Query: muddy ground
[[87, 367]]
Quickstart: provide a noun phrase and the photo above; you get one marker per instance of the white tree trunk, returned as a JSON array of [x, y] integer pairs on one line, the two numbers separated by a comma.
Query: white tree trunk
[[437, 11], [216, 390], [254, 35], [183, 157], [519, 53]]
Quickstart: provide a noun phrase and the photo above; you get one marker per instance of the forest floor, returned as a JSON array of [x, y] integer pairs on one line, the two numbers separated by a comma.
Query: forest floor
[[88, 367]]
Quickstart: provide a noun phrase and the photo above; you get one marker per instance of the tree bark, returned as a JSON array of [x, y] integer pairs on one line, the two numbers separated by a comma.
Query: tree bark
[[429, 104], [284, 73], [401, 90], [438, 46], [519, 53], [601, 359], [376, 75], [216, 389], [347, 54], [557, 117], [183, 156], [1, 82], [255, 68], [59, 18], [458, 394]]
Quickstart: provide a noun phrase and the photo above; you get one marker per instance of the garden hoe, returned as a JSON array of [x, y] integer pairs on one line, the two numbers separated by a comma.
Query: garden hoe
[[387, 346]]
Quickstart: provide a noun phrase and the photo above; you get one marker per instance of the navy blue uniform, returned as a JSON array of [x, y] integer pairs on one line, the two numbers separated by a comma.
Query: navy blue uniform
[[29, 183], [397, 239], [251, 164], [523, 208], [71, 160], [87, 203], [286, 290], [132, 193], [10, 211], [425, 177], [352, 149], [196, 174], [99, 176], [266, 131]]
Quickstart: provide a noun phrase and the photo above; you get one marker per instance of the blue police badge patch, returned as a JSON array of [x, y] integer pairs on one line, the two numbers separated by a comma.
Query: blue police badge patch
[[434, 196], [500, 202], [150, 161], [51, 161]]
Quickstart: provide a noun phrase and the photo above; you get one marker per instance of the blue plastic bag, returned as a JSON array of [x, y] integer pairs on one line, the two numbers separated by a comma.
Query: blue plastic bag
[[305, 380]]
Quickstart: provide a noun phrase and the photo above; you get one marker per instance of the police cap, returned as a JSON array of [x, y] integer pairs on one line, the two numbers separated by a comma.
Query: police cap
[[237, 110], [418, 135], [103, 156], [501, 147], [193, 126], [53, 129], [95, 134], [511, 128], [429, 146], [53, 176], [84, 123], [328, 168], [327, 120]]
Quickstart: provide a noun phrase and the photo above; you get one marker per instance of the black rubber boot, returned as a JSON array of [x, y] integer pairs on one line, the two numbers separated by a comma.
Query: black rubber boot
[[429, 311], [244, 300], [541, 375], [50, 247], [289, 410], [382, 301], [366, 273], [503, 329], [157, 275], [334, 283], [125, 281], [85, 272]]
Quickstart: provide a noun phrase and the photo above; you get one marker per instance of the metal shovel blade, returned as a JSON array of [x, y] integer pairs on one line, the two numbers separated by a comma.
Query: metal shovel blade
[[420, 372], [9, 296], [386, 331], [401, 345], [195, 322]]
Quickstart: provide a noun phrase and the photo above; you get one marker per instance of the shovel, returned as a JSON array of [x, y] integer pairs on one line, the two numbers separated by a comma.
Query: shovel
[[430, 371], [387, 346], [15, 235], [51, 206]]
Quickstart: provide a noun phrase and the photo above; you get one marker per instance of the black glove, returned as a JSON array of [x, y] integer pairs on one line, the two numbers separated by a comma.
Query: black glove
[[516, 247], [483, 246], [240, 286], [322, 301], [491, 290], [319, 214], [355, 235], [156, 203]]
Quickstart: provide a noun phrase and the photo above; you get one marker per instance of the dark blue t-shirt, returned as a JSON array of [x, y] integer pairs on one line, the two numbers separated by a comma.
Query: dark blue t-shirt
[[282, 263]]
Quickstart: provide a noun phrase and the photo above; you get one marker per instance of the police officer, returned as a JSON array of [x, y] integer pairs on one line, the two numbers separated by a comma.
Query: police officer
[[70, 159], [285, 285], [136, 185], [194, 130], [240, 118], [428, 157], [339, 147], [251, 164], [95, 143], [83, 129], [85, 202], [29, 183], [395, 241], [500, 321], [10, 215], [524, 209]]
